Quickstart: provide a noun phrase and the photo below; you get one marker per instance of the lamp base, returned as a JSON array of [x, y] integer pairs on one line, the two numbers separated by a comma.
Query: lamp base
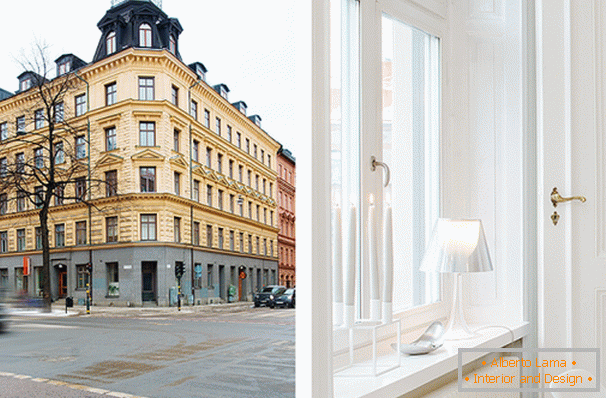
[[457, 328]]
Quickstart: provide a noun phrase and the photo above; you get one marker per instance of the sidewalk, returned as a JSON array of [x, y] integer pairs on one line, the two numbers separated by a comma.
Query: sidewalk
[[58, 310]]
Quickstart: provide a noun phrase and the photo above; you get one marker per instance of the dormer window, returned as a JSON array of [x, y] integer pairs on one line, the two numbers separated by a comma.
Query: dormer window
[[172, 45], [64, 67], [26, 84], [200, 72], [145, 35], [111, 43]]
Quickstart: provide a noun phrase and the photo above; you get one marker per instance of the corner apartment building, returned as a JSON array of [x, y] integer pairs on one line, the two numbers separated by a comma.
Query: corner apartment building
[[191, 178], [286, 214]]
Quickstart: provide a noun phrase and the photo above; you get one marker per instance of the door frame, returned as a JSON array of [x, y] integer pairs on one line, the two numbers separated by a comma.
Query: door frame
[[154, 267]]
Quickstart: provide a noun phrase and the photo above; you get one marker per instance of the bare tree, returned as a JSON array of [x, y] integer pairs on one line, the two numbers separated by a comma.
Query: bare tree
[[54, 166]]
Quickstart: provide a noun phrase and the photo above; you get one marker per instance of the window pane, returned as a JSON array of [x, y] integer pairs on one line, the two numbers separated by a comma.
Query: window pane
[[411, 129]]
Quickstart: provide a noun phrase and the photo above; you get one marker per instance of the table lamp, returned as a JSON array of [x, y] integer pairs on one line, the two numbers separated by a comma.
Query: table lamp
[[457, 246]]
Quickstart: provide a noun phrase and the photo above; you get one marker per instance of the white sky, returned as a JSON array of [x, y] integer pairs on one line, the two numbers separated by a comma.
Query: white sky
[[248, 45]]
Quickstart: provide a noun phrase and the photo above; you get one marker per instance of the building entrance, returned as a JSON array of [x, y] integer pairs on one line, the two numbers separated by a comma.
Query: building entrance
[[148, 281], [62, 282]]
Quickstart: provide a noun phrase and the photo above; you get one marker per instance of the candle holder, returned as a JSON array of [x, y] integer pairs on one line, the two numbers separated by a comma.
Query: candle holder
[[365, 336]]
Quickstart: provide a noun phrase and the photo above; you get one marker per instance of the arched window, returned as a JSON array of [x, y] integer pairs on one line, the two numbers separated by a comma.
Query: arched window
[[172, 45], [145, 35], [110, 43]]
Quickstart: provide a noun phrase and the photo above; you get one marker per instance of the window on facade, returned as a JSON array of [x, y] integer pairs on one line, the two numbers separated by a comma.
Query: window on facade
[[80, 188], [38, 232], [193, 110], [247, 146], [25, 84], [209, 235], [64, 67], [241, 203], [258, 246], [258, 218], [269, 160], [250, 244], [231, 169], [147, 133], [20, 162], [255, 150], [113, 279], [264, 183], [220, 235], [177, 229], [39, 158], [250, 210], [148, 179], [3, 242], [111, 93], [220, 199], [3, 204], [229, 133], [3, 276], [239, 139], [111, 183], [3, 131], [176, 136], [21, 201], [209, 276], [257, 182], [148, 227], [39, 119], [21, 240], [111, 229], [218, 126], [81, 233], [271, 190], [231, 203], [110, 139], [262, 156], [39, 194], [265, 246], [145, 35], [110, 43], [80, 104], [59, 113], [59, 153], [20, 124], [220, 163], [241, 242], [177, 181], [206, 118], [196, 233], [209, 153], [172, 45], [232, 244], [80, 147], [174, 92], [240, 172], [196, 151], [146, 88], [197, 276], [209, 195], [196, 191], [82, 277], [271, 217], [250, 178], [265, 215], [59, 195], [59, 235]]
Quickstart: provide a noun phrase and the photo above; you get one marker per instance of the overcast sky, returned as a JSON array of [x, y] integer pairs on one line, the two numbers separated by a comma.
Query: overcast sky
[[248, 45]]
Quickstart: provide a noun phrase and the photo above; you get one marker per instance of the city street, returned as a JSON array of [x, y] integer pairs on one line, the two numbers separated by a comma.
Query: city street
[[247, 352]]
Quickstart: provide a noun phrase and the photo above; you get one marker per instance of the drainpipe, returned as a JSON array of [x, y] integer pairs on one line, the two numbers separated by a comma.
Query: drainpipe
[[88, 188], [191, 189]]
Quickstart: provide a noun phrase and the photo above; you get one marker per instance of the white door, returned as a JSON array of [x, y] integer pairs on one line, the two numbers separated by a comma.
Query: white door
[[571, 148]]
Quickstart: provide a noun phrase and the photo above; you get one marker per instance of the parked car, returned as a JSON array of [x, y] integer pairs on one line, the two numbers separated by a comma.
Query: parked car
[[268, 294], [286, 299]]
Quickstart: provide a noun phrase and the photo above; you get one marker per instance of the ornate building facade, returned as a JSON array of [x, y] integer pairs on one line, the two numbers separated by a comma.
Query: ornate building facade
[[191, 178], [286, 214]]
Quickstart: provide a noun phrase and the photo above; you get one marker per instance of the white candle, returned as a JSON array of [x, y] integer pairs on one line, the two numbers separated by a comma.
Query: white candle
[[337, 267], [375, 303], [387, 266], [349, 276]]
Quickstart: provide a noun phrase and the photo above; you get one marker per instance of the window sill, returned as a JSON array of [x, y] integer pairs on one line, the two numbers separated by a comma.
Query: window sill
[[415, 371]]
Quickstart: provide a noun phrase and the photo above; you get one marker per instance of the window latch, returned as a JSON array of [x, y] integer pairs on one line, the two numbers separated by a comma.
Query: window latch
[[373, 166]]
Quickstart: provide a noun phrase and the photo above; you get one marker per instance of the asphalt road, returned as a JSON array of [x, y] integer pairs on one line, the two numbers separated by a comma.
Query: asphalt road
[[243, 354]]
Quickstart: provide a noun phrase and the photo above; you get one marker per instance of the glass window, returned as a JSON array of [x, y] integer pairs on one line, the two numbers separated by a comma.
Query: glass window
[[59, 235], [209, 152], [218, 128], [3, 242], [176, 136], [26, 84], [20, 123], [147, 133], [145, 35], [220, 236], [113, 281], [196, 234], [250, 244], [196, 151], [39, 119], [229, 133], [82, 277], [240, 172], [241, 242], [255, 150], [209, 276], [177, 229], [232, 244], [206, 118], [59, 195], [3, 276], [177, 180], [148, 227], [80, 147], [197, 276], [59, 113], [172, 45], [196, 190], [209, 235], [39, 158], [269, 160], [148, 179], [59, 153], [231, 169], [3, 131], [174, 91], [110, 93], [231, 202], [146, 88], [3, 203], [110, 139], [39, 196], [111, 183], [80, 104], [193, 111], [21, 240], [220, 163], [110, 43], [20, 162], [220, 199], [239, 139], [80, 188], [209, 195], [111, 229], [81, 233]]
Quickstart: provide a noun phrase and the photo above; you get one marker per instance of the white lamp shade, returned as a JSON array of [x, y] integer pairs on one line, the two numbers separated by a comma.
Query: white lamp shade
[[457, 246]]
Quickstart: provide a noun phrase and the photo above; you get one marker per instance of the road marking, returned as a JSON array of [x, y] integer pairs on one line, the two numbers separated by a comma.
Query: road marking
[[44, 326], [72, 386]]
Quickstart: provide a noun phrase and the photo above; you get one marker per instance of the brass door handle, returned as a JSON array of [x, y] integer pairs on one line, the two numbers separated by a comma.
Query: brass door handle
[[557, 198]]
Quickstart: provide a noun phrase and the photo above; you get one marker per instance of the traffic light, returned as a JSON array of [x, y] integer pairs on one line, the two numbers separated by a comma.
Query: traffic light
[[89, 268], [179, 270], [242, 271]]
